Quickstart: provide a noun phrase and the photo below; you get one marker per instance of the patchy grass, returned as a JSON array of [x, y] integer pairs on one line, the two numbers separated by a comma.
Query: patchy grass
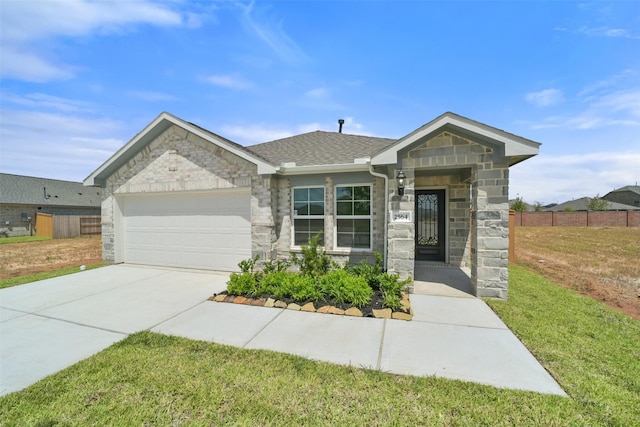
[[39, 256], [22, 239], [148, 378], [601, 263], [21, 280]]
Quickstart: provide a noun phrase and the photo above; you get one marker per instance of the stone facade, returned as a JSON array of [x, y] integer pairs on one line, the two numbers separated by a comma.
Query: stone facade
[[178, 160], [474, 177], [283, 221], [472, 180]]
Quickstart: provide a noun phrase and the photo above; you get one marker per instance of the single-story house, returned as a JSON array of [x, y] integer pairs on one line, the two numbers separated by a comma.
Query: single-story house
[[179, 195], [21, 197], [583, 204], [627, 195]]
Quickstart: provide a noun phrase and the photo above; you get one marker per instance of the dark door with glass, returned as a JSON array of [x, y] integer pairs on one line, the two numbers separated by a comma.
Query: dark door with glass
[[430, 221]]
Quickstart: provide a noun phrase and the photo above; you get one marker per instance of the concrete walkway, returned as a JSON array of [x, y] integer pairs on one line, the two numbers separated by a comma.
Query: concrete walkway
[[49, 325]]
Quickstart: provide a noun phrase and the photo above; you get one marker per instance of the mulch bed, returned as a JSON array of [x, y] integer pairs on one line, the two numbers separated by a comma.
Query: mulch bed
[[375, 308]]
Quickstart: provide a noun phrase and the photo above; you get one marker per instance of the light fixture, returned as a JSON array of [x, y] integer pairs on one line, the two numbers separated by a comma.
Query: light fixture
[[401, 176]]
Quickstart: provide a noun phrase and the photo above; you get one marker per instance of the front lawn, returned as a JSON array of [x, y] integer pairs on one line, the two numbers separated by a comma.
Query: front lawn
[[150, 379]]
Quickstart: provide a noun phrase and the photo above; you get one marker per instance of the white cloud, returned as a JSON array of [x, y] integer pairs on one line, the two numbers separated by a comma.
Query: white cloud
[[24, 24], [607, 32], [228, 81], [556, 179], [45, 101], [545, 98], [67, 146], [317, 93], [270, 30]]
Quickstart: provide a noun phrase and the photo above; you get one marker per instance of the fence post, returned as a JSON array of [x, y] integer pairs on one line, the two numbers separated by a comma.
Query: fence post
[[512, 236]]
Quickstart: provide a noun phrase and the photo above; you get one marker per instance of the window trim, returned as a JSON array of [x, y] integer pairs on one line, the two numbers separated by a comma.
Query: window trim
[[294, 217], [336, 217]]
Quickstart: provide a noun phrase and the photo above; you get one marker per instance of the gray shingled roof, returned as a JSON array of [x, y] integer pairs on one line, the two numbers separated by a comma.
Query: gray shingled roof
[[582, 204], [319, 148], [633, 188], [28, 190]]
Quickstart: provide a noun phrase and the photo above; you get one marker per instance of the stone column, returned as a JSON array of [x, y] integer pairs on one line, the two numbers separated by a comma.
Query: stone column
[[401, 243], [490, 222]]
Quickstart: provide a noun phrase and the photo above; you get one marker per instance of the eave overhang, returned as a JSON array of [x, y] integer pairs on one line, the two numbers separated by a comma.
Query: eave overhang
[[505, 145]]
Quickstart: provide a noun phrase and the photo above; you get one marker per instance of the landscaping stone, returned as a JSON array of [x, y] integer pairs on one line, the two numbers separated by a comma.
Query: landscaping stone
[[308, 307], [404, 313], [384, 313], [353, 311], [293, 306], [324, 309], [401, 316], [335, 310]]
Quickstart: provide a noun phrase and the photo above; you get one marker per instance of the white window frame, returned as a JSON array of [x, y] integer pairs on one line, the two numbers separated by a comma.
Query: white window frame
[[294, 216], [338, 217]]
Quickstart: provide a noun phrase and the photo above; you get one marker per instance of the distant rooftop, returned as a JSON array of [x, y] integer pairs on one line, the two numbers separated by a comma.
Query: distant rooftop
[[28, 190]]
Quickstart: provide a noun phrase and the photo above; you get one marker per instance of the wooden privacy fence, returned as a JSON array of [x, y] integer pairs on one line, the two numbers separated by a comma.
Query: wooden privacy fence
[[67, 226]]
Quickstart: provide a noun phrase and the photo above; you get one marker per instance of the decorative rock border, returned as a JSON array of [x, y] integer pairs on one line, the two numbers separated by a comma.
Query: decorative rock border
[[405, 312]]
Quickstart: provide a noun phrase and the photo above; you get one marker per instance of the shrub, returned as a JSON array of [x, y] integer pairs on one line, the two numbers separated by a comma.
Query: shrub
[[247, 265], [242, 284], [271, 282], [392, 301], [300, 288], [391, 288], [367, 271], [275, 266], [345, 288], [314, 261]]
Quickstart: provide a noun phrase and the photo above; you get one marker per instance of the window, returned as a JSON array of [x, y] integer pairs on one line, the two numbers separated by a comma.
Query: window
[[353, 216], [308, 214]]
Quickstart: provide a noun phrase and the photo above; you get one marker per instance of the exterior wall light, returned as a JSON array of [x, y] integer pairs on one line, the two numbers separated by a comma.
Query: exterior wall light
[[401, 177]]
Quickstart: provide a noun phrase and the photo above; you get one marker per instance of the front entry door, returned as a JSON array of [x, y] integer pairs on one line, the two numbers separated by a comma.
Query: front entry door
[[430, 221]]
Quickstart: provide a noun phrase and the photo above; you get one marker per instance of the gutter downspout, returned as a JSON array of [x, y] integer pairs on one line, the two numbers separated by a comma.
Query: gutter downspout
[[386, 210]]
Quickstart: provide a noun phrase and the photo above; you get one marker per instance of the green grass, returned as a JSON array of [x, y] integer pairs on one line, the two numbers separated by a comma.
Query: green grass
[[21, 239], [21, 280], [151, 379]]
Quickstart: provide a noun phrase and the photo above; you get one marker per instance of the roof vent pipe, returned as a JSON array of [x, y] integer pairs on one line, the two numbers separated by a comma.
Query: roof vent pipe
[[340, 123]]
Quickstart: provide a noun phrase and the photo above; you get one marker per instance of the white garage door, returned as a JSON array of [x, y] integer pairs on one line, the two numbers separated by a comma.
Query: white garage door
[[191, 230]]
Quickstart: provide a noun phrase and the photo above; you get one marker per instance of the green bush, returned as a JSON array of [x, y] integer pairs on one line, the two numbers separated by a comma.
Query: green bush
[[271, 282], [275, 266], [314, 261], [391, 288], [370, 273], [242, 284], [392, 301], [300, 288], [345, 288]]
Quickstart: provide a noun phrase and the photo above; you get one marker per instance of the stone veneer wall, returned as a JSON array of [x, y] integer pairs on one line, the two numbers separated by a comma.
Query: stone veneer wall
[[490, 219], [181, 161], [283, 221]]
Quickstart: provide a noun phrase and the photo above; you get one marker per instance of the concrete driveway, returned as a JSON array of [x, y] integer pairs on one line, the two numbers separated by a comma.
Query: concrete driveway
[[48, 325]]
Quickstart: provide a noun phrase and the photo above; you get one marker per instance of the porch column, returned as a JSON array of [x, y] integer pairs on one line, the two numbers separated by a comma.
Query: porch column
[[401, 241], [490, 229]]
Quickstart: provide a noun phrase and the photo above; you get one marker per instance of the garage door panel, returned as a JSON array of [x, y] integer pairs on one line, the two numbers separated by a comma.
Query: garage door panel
[[211, 231]]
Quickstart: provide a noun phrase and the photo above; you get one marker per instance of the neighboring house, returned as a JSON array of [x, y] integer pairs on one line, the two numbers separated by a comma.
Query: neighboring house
[[21, 197], [629, 195], [179, 195], [582, 204]]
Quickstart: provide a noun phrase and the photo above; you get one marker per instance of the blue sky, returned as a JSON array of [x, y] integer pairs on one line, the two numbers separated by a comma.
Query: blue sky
[[79, 78]]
